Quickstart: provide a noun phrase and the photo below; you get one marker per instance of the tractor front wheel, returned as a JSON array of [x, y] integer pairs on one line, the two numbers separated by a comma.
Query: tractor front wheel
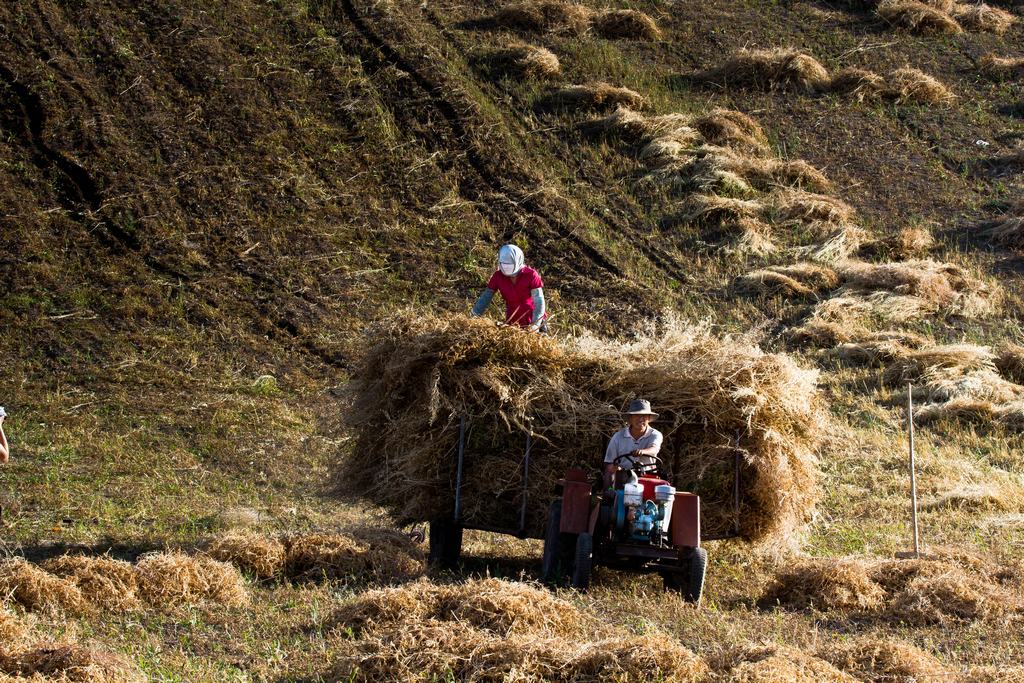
[[584, 562], [445, 543]]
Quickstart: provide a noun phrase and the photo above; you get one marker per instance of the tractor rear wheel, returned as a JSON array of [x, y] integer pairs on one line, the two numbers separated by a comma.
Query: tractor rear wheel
[[584, 562], [550, 566], [445, 543], [688, 579]]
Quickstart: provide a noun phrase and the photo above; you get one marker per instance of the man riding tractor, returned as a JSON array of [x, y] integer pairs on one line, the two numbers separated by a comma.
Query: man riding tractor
[[633, 520]]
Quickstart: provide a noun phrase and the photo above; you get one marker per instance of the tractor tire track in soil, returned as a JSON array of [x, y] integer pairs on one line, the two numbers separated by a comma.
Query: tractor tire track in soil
[[492, 180], [661, 259]]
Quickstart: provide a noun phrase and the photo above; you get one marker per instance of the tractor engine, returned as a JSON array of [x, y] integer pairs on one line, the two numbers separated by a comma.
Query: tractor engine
[[644, 510]]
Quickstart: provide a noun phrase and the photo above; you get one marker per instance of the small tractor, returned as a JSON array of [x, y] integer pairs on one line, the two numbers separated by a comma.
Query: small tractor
[[641, 525]]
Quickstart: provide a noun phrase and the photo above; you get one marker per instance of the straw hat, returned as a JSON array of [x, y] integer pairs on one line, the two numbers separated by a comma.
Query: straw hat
[[640, 406]]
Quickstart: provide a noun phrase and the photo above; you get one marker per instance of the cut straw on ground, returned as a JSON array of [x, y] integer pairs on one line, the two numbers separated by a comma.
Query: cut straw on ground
[[522, 61], [769, 68], [917, 17], [593, 96], [1002, 67]]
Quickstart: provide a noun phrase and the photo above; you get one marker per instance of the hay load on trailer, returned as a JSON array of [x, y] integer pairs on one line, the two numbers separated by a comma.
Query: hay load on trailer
[[721, 401]]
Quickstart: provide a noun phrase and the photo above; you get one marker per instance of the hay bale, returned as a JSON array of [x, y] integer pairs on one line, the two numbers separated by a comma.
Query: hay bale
[[1001, 67], [105, 582], [543, 17], [651, 656], [262, 555], [765, 174], [937, 589], [37, 590], [366, 552], [591, 96], [885, 660], [72, 663], [796, 280], [982, 17], [1009, 361], [869, 353], [978, 384], [730, 128], [174, 578], [942, 286], [917, 17], [325, 555], [859, 84], [797, 205], [775, 663], [913, 85], [522, 61], [420, 373], [625, 23], [502, 608], [960, 358], [13, 631], [769, 68], [912, 242], [841, 584]]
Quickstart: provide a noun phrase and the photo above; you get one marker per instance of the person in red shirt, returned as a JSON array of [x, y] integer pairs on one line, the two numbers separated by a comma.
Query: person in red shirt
[[521, 288]]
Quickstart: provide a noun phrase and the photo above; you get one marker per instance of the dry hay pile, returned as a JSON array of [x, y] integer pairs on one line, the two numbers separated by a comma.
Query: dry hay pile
[[543, 17], [958, 382], [625, 23], [1009, 230], [13, 631], [103, 581], [174, 578], [821, 583], [501, 607], [523, 61], [70, 663], [931, 590], [892, 293], [860, 84], [918, 17], [715, 396], [382, 554], [901, 86], [494, 630], [263, 556], [798, 280], [593, 96], [894, 661], [941, 287], [769, 68], [913, 242], [913, 85], [774, 663], [982, 17], [1003, 67], [736, 190], [944, 16], [1010, 362], [38, 590]]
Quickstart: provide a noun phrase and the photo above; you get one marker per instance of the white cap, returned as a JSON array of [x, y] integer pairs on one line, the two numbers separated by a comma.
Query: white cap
[[511, 260]]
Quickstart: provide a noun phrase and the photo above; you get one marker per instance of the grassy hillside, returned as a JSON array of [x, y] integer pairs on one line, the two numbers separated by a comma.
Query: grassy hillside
[[205, 204]]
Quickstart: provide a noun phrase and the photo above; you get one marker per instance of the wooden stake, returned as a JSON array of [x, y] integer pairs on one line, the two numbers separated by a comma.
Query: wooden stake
[[913, 478]]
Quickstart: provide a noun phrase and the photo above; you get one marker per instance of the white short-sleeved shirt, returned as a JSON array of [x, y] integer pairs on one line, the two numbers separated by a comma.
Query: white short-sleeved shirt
[[622, 442]]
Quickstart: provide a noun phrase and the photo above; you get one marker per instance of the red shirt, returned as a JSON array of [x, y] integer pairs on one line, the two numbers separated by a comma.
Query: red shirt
[[518, 302]]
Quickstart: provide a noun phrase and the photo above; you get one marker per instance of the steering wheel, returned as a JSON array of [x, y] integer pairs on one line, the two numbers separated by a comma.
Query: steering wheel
[[635, 465]]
